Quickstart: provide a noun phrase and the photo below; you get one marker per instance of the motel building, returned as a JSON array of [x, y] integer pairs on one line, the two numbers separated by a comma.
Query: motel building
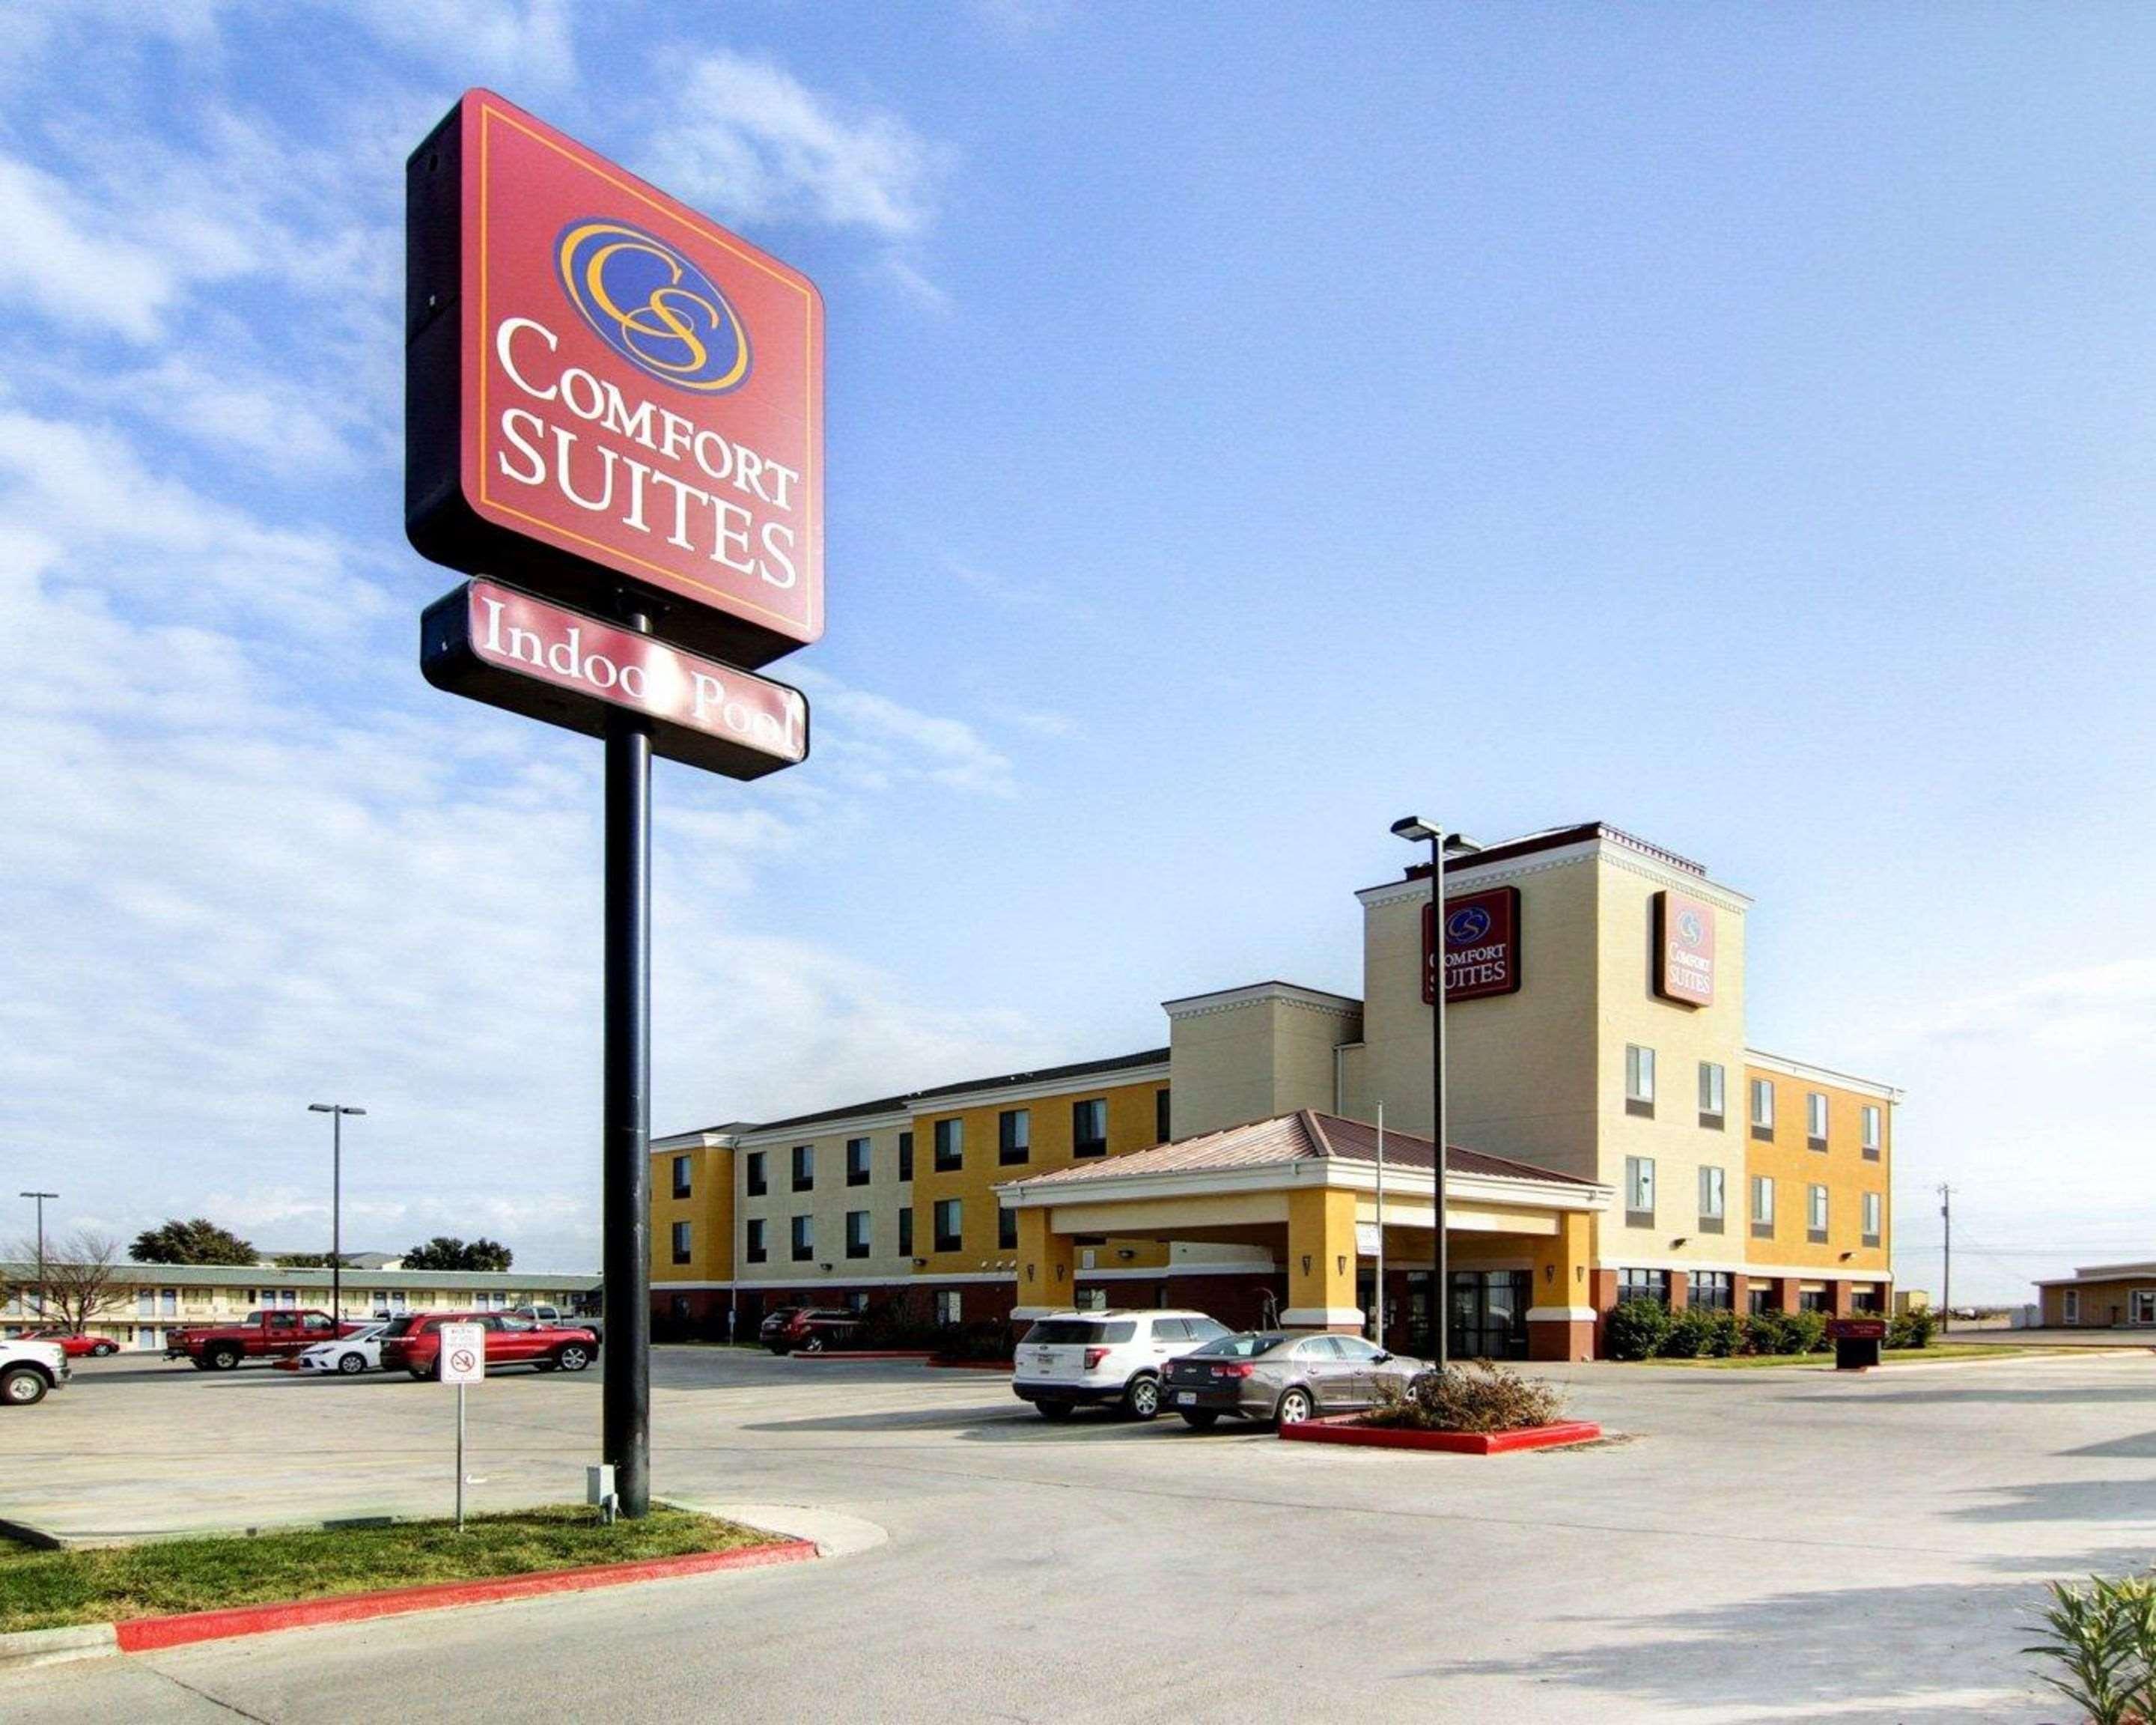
[[2100, 1296], [1614, 1137]]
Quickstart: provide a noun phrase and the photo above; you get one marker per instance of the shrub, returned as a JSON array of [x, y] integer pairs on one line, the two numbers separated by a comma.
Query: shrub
[[905, 1322], [1913, 1328], [989, 1338], [1786, 1332], [2102, 1648], [1725, 1335], [1807, 1331], [1637, 1329], [1686, 1337], [1470, 1395]]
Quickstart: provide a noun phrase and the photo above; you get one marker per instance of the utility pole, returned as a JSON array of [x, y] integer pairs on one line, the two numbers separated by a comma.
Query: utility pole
[[41, 1197], [337, 1112], [1946, 1252]]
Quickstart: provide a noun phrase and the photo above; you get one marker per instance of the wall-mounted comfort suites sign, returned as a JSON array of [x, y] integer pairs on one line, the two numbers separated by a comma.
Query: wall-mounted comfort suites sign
[[1684, 949], [603, 385], [1481, 945]]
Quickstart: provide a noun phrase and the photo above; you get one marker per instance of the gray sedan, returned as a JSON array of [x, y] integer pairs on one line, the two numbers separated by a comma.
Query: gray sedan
[[1270, 1375]]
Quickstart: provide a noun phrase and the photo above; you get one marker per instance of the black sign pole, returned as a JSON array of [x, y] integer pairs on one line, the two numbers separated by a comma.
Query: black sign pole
[[625, 1419]]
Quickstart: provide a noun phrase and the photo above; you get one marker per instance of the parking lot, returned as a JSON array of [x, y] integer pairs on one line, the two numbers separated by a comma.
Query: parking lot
[[1756, 1545]]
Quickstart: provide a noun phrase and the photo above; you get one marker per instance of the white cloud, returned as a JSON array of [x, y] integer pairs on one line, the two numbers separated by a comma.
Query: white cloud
[[2089, 1013], [65, 262], [515, 42], [752, 143], [881, 743]]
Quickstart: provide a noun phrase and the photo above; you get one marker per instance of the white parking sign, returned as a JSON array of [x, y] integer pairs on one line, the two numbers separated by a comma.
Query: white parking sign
[[463, 1353]]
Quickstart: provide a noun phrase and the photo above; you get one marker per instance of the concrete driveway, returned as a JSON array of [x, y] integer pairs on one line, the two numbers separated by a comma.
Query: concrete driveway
[[1762, 1545]]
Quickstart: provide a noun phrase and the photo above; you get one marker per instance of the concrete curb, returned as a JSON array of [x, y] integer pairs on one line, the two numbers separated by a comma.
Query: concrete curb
[[143, 1635], [1345, 1428], [847, 1354]]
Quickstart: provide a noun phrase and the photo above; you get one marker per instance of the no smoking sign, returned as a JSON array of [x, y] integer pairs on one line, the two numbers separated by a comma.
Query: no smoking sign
[[463, 1353]]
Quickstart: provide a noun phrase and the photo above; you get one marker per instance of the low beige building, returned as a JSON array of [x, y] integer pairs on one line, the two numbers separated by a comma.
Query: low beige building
[[2101, 1296]]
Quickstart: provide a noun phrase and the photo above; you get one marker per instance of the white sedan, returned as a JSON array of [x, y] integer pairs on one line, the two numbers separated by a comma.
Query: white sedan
[[348, 1356]]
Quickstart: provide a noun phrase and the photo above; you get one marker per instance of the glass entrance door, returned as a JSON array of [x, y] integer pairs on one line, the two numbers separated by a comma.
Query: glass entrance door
[[1489, 1314]]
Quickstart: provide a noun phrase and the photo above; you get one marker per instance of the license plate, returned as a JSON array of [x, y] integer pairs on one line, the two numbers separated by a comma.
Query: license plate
[[1185, 1398]]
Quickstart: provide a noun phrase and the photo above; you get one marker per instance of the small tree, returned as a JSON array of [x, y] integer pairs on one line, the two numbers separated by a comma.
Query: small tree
[[198, 1241], [445, 1251], [81, 1278]]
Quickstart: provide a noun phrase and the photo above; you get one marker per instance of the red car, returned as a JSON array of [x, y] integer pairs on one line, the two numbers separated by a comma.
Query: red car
[[414, 1344], [74, 1345], [807, 1329]]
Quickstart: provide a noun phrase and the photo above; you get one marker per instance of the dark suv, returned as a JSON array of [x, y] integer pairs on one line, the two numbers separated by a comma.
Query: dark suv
[[807, 1329]]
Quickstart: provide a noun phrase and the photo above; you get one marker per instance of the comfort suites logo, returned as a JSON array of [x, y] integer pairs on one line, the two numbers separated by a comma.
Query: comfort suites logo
[[653, 307], [1467, 926], [1691, 928]]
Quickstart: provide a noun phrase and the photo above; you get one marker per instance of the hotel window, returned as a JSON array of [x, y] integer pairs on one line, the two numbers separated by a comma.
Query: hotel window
[[756, 1253], [1711, 1085], [684, 1242], [1871, 1118], [905, 1156], [1762, 1206], [146, 1303], [1815, 1120], [1759, 1296], [1089, 1126], [950, 1146], [1013, 1136], [1640, 1191], [2141, 1306], [2073, 1313], [804, 1239], [1161, 1115], [950, 1232], [905, 1231], [681, 1176], [168, 1301], [1092, 1300], [1763, 1108], [758, 1185], [1710, 1200], [1871, 1210], [857, 1234], [804, 1168], [950, 1308], [1710, 1290], [1812, 1299], [1816, 1222], [1006, 1231], [1639, 1080], [1643, 1284], [857, 1162]]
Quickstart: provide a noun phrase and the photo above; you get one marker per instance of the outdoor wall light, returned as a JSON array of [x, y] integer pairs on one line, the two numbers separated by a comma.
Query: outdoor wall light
[[1681, 1240], [1124, 1252], [1340, 1264], [921, 1263], [1846, 1257], [825, 1268], [1305, 1263]]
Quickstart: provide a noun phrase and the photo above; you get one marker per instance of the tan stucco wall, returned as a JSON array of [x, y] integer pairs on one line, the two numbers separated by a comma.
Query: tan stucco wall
[[1246, 1059]]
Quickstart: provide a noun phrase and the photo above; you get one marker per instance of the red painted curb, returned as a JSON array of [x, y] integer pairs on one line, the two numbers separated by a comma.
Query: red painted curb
[[1343, 1429], [974, 1365], [143, 1635], [862, 1353]]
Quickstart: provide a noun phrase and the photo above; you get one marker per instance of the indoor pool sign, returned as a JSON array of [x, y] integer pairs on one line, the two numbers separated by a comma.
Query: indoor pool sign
[[605, 389]]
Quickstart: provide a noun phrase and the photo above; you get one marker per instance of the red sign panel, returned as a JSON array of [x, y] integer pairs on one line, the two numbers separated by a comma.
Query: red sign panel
[[528, 656], [604, 388], [1684, 949], [1481, 945]]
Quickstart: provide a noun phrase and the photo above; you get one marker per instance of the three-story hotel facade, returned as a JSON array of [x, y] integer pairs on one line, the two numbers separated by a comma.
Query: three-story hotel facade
[[1613, 1135]]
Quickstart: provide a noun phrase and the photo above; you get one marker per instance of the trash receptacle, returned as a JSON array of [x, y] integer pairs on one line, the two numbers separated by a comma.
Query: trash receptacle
[[1856, 1341]]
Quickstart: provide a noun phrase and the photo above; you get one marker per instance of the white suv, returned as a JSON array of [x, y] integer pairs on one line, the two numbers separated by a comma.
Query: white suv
[[27, 1369], [1071, 1359]]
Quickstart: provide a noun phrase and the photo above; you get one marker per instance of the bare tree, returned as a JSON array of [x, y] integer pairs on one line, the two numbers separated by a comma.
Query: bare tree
[[82, 1278]]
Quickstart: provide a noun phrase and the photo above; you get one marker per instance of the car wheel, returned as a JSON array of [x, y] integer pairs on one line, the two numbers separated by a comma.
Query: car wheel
[[419, 1374], [200, 1365], [1053, 1411], [1201, 1418], [1294, 1407], [1142, 1398], [105, 1350], [574, 1357], [814, 1344], [21, 1386], [223, 1358], [351, 1364]]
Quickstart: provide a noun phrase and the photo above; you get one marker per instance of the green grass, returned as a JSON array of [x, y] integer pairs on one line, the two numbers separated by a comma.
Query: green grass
[[44, 1590], [1937, 1350]]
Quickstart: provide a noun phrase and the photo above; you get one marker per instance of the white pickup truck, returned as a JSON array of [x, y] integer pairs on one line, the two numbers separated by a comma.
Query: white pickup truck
[[555, 1317], [27, 1369]]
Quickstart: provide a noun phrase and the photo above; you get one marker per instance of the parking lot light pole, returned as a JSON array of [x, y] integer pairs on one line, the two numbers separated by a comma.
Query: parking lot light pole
[[41, 1197], [337, 1112], [1441, 846]]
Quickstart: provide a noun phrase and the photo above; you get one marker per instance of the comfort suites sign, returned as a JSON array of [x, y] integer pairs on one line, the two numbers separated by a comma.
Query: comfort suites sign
[[1684, 949], [603, 383], [1481, 944]]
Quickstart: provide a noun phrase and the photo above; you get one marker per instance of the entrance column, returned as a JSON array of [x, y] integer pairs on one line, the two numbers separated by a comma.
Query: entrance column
[[1320, 1261], [1561, 1321], [1046, 1279]]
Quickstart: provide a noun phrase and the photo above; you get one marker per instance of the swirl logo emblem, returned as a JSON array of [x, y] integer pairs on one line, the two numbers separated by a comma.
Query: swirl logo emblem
[[1467, 925], [653, 307], [1691, 929]]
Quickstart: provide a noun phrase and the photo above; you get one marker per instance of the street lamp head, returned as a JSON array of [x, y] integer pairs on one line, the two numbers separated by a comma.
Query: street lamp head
[[1413, 829], [332, 1108], [1459, 845]]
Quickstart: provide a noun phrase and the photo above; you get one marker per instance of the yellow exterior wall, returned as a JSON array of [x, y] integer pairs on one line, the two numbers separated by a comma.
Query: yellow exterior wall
[[709, 1211], [1321, 1230], [1840, 1167], [1131, 1118]]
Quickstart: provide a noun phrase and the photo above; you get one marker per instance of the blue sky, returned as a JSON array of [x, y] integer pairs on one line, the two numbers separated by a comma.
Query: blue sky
[[1728, 421]]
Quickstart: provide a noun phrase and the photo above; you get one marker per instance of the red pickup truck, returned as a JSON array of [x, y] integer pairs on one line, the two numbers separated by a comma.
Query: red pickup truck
[[261, 1335], [414, 1344]]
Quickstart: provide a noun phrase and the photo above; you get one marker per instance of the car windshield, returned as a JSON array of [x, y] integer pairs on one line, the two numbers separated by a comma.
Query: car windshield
[[1246, 1346], [399, 1327]]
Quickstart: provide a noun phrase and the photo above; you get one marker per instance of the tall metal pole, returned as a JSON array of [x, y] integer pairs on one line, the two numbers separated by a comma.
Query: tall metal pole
[[336, 1222], [625, 1415], [1379, 1339], [1440, 1292], [41, 1197], [1946, 1265]]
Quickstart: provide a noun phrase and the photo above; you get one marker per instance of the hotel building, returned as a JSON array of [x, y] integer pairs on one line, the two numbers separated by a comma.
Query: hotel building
[[1613, 1136]]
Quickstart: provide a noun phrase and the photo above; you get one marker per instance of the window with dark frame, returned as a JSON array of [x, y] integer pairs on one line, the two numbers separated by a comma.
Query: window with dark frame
[[1089, 1126], [1712, 1079], [1006, 1231], [1871, 1134], [684, 1242], [950, 1146], [857, 1162], [1758, 1297], [1638, 1080], [1643, 1284], [950, 1225], [1762, 1206], [753, 1248], [1763, 1109], [905, 1231], [681, 1176], [1816, 1217], [905, 1156], [804, 1239], [1815, 1120], [804, 1168], [1710, 1290], [1639, 1191], [1163, 1115], [1710, 1199], [753, 1174], [1013, 1136], [857, 1234], [1873, 1209]]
